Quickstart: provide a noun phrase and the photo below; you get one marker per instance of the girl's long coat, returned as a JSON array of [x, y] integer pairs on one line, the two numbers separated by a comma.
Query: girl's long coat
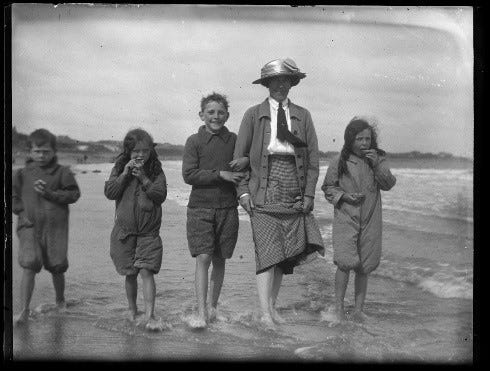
[[357, 229]]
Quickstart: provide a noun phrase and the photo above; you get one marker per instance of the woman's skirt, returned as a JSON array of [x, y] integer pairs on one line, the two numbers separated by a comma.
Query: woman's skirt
[[283, 234]]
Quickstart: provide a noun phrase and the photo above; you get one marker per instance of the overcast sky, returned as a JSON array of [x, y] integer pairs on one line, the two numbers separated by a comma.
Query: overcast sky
[[94, 72]]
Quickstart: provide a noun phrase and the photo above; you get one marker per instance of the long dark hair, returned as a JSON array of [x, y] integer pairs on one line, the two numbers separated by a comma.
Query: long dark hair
[[355, 126], [152, 167]]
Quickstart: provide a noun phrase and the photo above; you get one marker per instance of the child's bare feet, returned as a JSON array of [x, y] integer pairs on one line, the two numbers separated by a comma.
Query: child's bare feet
[[154, 324], [21, 318]]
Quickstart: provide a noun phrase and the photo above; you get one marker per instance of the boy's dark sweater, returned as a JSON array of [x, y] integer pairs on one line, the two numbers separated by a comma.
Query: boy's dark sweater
[[205, 155]]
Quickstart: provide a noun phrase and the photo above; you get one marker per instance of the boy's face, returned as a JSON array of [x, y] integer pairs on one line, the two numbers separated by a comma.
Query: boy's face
[[362, 142], [141, 152], [43, 154], [279, 88], [214, 116]]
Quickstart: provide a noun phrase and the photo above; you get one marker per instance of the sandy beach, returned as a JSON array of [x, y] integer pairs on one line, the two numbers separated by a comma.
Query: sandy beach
[[418, 307]]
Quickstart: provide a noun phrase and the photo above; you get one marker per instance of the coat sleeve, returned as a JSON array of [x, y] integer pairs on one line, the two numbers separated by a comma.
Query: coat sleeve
[[313, 157], [156, 190], [114, 187], [383, 175], [191, 172], [242, 146], [68, 193], [17, 204], [331, 189]]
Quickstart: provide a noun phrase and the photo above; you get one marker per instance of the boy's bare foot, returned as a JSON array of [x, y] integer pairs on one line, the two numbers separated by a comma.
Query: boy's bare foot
[[154, 324], [61, 306], [21, 318], [359, 316], [333, 315], [198, 323]]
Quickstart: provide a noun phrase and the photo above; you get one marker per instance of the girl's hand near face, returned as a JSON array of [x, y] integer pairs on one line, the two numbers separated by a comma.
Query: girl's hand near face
[[128, 167], [353, 198], [138, 172], [372, 156]]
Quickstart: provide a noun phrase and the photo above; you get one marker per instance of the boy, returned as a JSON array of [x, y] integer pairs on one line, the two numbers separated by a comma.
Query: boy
[[41, 193], [212, 215]]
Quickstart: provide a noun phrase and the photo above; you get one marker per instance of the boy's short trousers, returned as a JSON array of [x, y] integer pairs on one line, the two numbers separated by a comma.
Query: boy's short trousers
[[43, 247], [133, 252], [212, 231]]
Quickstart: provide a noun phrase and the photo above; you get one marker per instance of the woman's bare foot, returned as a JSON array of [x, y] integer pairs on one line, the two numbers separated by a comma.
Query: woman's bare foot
[[197, 323], [133, 313], [276, 317], [267, 321], [21, 318]]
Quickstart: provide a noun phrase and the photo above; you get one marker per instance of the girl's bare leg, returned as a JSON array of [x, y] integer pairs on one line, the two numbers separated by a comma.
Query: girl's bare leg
[[276, 285], [131, 285], [59, 288], [341, 281], [360, 289]]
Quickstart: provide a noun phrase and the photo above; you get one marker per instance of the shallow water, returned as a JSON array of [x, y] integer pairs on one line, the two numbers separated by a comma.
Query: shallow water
[[419, 300]]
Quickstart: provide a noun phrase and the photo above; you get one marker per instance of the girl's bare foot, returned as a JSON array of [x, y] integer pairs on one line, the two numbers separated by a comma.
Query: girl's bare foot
[[154, 324]]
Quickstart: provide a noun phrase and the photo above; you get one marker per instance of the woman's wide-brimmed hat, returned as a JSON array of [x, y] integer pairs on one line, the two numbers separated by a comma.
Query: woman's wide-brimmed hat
[[280, 67]]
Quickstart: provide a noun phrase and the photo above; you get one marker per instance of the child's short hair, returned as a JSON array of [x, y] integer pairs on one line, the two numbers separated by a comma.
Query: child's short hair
[[40, 137], [214, 97]]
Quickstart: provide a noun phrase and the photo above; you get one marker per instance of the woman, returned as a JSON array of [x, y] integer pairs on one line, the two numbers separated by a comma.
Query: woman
[[279, 139]]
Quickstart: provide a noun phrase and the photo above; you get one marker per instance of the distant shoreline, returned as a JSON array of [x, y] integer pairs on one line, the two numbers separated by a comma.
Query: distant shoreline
[[76, 158]]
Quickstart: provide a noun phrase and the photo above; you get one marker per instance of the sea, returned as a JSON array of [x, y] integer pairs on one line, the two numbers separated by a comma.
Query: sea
[[419, 302]]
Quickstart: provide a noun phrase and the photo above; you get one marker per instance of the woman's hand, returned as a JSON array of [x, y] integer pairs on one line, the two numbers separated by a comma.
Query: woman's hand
[[353, 198], [308, 204], [247, 203]]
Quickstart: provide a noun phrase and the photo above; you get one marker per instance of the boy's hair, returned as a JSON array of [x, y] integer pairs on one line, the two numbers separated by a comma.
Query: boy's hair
[[355, 126], [214, 97], [152, 167], [41, 137]]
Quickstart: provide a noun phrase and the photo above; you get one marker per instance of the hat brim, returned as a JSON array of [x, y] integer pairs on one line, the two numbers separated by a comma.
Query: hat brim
[[294, 77]]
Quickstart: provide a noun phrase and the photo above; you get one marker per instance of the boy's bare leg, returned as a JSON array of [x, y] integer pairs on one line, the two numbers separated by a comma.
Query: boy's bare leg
[[264, 288], [276, 285], [215, 284], [341, 281], [131, 284], [26, 289], [201, 285], [360, 289], [59, 289]]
